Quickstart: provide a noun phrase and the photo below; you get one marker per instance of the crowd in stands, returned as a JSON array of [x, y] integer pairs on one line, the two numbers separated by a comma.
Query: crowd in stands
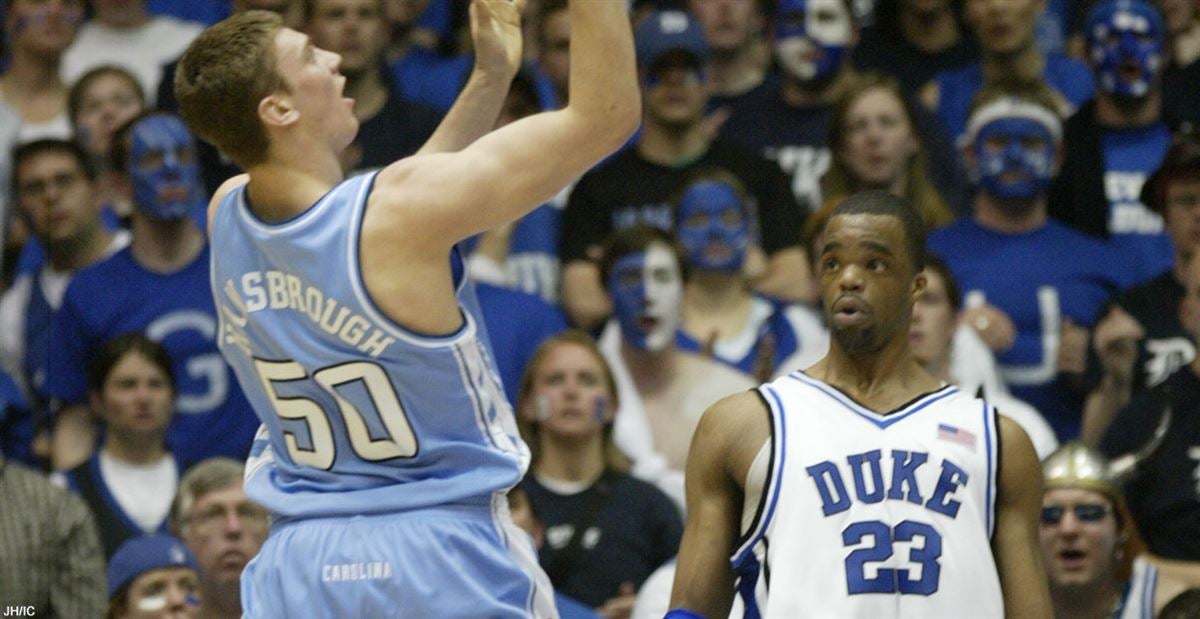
[[1052, 147]]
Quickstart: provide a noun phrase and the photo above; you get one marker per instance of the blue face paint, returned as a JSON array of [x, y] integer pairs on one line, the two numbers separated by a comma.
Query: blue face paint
[[162, 166], [712, 217], [812, 37], [1014, 158], [646, 289], [1125, 32]]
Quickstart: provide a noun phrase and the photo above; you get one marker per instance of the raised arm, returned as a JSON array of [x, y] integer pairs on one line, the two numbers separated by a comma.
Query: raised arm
[[496, 35], [1015, 544], [728, 438], [444, 198]]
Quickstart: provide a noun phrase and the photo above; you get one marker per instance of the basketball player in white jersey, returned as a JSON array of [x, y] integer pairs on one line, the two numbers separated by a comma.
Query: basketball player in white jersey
[[862, 486], [347, 316]]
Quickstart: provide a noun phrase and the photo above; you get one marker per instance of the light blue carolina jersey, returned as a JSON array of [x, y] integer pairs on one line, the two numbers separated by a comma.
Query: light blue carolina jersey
[[359, 414]]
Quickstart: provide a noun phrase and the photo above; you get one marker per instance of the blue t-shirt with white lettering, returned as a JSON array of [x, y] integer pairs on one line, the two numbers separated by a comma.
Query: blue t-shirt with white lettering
[[119, 295], [1138, 233], [1039, 279]]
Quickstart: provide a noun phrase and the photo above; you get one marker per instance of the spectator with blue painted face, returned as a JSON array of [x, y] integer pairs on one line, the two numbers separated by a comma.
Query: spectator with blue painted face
[[1030, 285], [662, 389], [722, 318], [1119, 139], [159, 285], [1006, 34], [636, 185]]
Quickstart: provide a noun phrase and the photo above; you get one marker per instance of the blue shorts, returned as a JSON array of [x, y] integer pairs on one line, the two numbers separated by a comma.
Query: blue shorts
[[438, 563]]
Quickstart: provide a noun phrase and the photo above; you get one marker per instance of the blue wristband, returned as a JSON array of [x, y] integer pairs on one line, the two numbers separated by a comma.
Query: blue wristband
[[683, 613]]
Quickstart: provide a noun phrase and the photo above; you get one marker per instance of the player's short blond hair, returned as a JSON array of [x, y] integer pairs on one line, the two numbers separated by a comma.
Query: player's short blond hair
[[221, 79]]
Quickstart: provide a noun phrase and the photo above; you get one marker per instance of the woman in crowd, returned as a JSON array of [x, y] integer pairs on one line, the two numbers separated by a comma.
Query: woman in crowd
[[875, 146], [605, 531]]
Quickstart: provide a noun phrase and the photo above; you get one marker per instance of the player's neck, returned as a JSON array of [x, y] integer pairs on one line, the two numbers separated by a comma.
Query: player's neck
[[134, 448], [570, 461], [652, 371], [993, 214], [1115, 113], [882, 380], [165, 246], [291, 181], [738, 71], [930, 31], [1086, 602], [672, 147]]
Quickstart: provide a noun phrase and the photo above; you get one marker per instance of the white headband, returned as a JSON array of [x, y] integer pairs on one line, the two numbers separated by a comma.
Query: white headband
[[1011, 107]]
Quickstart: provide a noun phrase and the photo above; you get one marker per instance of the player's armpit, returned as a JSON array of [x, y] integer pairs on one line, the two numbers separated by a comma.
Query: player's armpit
[[725, 443], [1015, 543]]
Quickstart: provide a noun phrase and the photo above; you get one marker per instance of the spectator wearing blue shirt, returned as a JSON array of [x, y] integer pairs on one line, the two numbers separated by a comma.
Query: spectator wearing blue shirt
[[158, 285], [1031, 286], [1119, 138]]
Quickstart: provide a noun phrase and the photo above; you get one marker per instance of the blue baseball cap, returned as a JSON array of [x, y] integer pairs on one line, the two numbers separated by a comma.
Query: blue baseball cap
[[145, 554], [668, 31]]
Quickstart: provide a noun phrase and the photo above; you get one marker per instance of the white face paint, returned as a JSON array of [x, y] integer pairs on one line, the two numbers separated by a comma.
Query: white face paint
[[647, 289], [812, 37], [664, 295]]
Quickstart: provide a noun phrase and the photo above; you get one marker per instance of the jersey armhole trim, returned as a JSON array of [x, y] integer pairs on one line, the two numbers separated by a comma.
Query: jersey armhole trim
[[991, 425], [769, 498], [376, 313]]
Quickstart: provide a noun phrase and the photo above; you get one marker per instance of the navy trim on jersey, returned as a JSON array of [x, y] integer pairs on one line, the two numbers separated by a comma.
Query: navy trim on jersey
[[771, 487], [354, 248], [987, 444], [999, 451], [882, 420], [747, 588]]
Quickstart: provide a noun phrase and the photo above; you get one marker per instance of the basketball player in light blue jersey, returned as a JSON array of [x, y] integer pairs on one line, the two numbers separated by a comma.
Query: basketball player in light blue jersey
[[862, 486], [387, 444]]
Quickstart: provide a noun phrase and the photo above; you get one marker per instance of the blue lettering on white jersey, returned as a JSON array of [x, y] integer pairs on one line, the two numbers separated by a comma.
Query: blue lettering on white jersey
[[360, 415]]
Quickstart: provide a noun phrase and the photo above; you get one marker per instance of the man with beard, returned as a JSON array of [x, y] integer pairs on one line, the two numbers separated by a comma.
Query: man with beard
[[1119, 138], [1031, 286], [222, 527], [942, 517]]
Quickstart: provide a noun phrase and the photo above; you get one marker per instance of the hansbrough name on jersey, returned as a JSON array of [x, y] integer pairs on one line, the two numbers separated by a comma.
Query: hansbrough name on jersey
[[864, 514]]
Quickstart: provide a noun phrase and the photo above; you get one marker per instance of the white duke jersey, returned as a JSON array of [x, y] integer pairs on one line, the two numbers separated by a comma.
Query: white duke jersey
[[870, 515], [359, 414]]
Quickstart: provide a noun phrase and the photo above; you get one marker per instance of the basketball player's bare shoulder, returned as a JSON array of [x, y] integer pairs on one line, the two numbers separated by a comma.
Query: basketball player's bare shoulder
[[222, 191]]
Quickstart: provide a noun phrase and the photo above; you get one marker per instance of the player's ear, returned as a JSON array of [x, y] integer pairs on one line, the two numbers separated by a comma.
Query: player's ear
[[918, 285], [277, 110]]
